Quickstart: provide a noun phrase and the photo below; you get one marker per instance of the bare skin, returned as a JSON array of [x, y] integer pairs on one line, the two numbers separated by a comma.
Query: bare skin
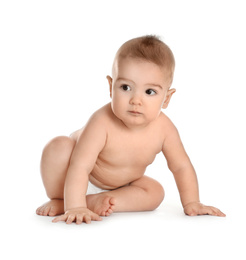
[[113, 150], [56, 159], [103, 205]]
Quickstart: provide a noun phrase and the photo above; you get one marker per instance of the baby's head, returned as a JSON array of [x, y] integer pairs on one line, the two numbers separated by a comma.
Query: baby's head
[[147, 48], [141, 78]]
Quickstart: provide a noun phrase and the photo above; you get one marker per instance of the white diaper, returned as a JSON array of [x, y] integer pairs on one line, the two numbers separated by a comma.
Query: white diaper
[[92, 189]]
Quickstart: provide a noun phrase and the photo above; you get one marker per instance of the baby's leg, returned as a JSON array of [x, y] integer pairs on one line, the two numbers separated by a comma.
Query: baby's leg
[[54, 164], [141, 195]]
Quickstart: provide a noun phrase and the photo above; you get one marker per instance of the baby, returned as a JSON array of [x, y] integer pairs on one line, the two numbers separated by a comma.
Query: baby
[[111, 152]]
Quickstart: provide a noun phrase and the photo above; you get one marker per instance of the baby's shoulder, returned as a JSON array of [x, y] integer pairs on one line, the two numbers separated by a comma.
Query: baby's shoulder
[[166, 124], [101, 116], [165, 120]]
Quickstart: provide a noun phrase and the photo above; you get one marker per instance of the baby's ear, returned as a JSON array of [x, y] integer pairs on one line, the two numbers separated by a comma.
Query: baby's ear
[[170, 92], [110, 80]]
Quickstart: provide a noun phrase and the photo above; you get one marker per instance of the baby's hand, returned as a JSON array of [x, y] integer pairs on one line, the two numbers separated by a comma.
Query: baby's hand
[[197, 208], [78, 215]]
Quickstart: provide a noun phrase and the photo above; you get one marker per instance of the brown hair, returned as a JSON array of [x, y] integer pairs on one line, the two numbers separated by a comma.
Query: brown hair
[[149, 48]]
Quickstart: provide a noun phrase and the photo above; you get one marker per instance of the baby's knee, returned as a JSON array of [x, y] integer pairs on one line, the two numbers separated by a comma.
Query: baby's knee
[[158, 193], [60, 144], [155, 190]]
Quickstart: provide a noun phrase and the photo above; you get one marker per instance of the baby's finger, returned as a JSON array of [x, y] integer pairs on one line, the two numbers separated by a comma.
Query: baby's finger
[[70, 218], [79, 219], [221, 214], [96, 217], [60, 218], [218, 212], [207, 211], [87, 219]]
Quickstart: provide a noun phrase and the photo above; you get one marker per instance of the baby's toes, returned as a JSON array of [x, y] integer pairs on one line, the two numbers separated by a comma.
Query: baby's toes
[[103, 214], [52, 212], [110, 211], [112, 201], [107, 213], [40, 210], [46, 211]]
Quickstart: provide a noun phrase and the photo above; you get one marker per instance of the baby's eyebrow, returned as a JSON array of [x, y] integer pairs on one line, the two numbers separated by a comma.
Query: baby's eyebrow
[[154, 85], [124, 79], [148, 84]]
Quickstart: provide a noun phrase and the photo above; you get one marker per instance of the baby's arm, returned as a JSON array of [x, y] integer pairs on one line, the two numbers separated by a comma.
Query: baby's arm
[[185, 175], [84, 156]]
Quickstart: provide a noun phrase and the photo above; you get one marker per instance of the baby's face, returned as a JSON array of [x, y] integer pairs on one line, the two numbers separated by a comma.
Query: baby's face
[[138, 91]]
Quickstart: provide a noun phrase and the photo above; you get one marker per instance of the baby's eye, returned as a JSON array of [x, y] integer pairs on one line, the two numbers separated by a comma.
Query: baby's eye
[[126, 87], [150, 92]]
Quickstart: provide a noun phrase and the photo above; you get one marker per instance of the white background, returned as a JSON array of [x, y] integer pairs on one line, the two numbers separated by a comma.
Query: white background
[[54, 58]]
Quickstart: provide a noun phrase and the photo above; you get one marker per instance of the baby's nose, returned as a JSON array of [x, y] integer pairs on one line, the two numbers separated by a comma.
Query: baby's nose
[[136, 99]]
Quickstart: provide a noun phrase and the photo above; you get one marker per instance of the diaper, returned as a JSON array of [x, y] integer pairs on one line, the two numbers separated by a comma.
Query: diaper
[[92, 189]]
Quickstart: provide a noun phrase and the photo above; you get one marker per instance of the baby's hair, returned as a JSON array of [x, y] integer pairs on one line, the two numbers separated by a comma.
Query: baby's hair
[[149, 48]]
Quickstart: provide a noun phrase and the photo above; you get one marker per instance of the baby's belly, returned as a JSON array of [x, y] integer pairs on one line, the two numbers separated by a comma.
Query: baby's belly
[[114, 178]]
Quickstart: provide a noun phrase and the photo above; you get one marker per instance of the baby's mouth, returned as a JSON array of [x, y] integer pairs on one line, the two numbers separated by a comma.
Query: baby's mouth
[[134, 112]]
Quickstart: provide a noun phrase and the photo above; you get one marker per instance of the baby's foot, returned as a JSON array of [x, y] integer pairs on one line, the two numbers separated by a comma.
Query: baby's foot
[[101, 204], [51, 208]]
